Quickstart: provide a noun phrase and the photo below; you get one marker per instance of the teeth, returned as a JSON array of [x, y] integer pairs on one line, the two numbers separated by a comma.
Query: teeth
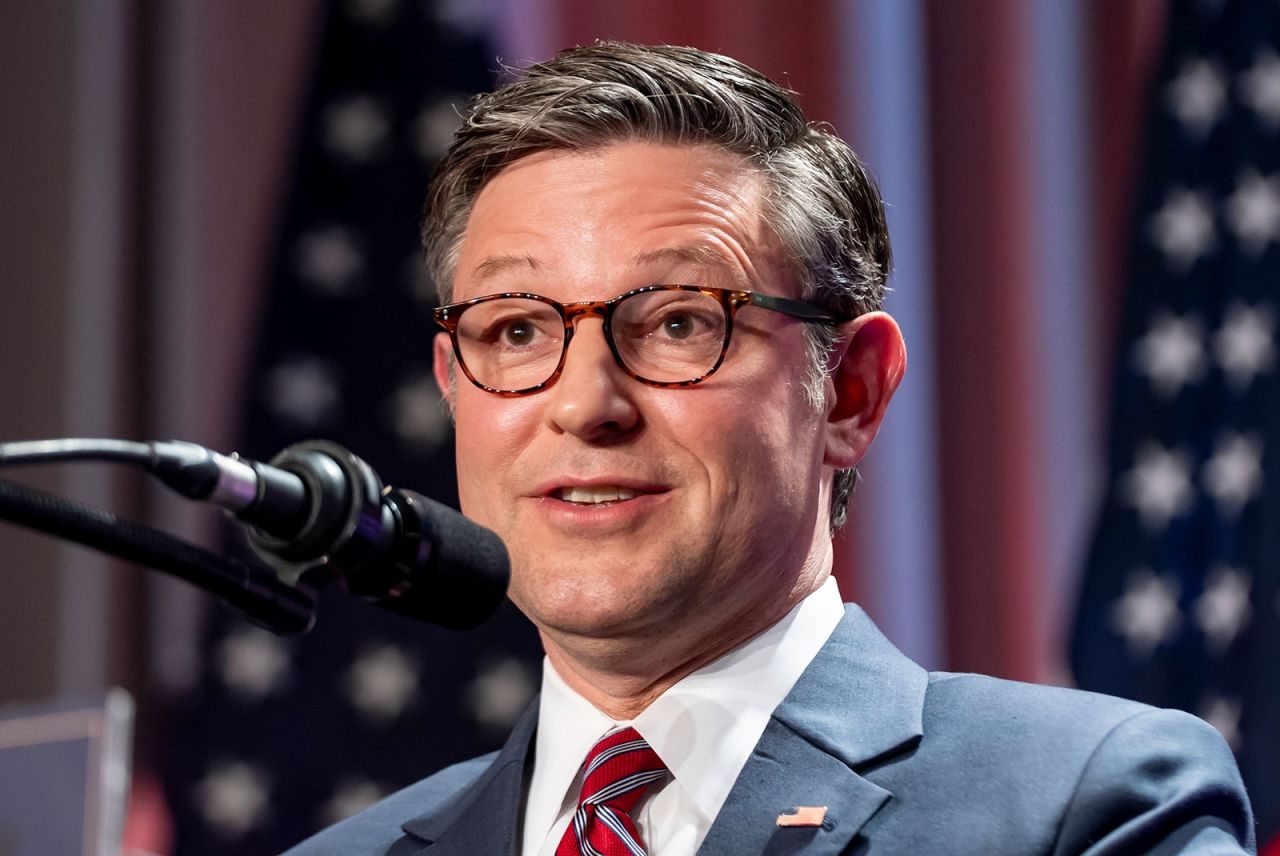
[[591, 495]]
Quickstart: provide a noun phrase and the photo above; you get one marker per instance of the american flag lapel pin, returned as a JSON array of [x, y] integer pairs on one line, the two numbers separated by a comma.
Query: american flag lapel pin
[[803, 815]]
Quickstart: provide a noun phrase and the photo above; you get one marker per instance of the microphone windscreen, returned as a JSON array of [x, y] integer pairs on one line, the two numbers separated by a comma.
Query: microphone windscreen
[[463, 580]]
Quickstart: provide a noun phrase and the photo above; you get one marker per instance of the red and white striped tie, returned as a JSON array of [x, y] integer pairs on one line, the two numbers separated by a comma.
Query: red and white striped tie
[[618, 770]]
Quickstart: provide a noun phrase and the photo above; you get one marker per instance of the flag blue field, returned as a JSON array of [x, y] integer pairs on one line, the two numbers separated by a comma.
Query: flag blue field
[[286, 736], [1181, 599]]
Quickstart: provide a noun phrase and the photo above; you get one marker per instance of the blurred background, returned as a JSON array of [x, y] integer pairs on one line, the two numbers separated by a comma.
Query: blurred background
[[208, 220]]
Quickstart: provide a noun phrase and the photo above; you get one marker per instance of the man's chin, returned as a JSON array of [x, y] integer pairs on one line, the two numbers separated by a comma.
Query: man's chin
[[586, 618], [582, 610]]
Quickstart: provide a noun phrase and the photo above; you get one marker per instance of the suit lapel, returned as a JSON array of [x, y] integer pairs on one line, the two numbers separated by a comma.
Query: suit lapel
[[785, 772], [859, 701], [482, 818]]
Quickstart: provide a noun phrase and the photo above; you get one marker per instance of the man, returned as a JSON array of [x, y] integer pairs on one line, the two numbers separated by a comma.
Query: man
[[665, 356]]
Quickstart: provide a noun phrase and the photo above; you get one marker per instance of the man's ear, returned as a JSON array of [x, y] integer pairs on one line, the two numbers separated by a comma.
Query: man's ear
[[441, 361], [869, 368]]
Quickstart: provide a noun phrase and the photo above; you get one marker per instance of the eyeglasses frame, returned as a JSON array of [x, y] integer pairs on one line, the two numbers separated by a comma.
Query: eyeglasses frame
[[731, 300]]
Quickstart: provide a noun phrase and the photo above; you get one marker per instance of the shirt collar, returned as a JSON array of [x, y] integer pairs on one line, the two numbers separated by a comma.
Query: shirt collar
[[703, 728]]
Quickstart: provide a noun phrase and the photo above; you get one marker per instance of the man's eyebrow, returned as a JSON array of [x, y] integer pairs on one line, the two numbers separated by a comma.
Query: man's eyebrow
[[699, 254], [696, 253], [492, 266]]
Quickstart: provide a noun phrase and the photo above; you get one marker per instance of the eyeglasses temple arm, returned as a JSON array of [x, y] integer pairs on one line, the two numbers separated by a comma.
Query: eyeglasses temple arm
[[795, 308]]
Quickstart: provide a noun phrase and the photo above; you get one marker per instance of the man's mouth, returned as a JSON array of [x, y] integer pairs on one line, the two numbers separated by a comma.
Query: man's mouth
[[594, 495]]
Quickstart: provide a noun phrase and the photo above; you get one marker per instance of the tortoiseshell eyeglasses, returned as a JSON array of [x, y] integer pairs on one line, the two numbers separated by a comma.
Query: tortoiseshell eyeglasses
[[664, 335]]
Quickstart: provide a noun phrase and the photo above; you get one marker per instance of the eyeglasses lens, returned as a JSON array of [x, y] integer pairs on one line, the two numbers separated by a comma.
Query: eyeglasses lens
[[511, 343], [669, 336]]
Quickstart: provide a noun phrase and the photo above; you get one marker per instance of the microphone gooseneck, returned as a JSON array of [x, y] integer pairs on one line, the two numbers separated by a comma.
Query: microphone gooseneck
[[317, 513]]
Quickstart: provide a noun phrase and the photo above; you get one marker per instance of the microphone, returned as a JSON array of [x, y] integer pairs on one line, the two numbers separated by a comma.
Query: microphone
[[318, 512]]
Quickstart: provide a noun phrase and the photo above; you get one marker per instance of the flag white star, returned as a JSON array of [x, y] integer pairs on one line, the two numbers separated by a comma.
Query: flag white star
[[1171, 353], [328, 260], [435, 126], [350, 796], [1233, 475], [500, 693], [253, 662], [1245, 343], [1223, 714], [1198, 95], [1253, 211], [233, 798], [1222, 609], [1183, 228], [1147, 614], [302, 390], [356, 127], [418, 414], [382, 682], [1260, 87], [1159, 484]]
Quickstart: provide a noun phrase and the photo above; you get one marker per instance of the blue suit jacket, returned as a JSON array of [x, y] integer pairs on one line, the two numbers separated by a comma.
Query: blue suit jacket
[[907, 762]]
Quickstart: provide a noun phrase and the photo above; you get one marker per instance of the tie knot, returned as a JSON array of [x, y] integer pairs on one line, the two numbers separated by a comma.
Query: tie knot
[[618, 769], [616, 773]]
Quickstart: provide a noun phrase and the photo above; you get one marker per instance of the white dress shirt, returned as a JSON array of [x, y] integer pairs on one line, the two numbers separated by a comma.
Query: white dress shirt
[[703, 728]]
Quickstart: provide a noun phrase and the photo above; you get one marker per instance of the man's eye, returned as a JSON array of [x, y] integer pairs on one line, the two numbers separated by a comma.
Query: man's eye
[[679, 326], [513, 333], [518, 333]]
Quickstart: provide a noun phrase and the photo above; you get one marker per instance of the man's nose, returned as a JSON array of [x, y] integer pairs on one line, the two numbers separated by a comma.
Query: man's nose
[[592, 397]]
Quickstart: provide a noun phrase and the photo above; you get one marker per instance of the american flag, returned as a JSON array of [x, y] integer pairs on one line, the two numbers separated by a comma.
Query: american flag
[[282, 737], [1181, 599]]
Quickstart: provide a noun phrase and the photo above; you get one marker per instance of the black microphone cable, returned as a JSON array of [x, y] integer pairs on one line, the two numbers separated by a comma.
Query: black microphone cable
[[256, 593]]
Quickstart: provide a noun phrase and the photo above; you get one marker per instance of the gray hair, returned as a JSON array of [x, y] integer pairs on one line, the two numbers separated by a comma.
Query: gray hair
[[822, 202]]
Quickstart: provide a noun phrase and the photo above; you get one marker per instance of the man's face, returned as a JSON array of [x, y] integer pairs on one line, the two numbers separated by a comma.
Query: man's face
[[723, 488]]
